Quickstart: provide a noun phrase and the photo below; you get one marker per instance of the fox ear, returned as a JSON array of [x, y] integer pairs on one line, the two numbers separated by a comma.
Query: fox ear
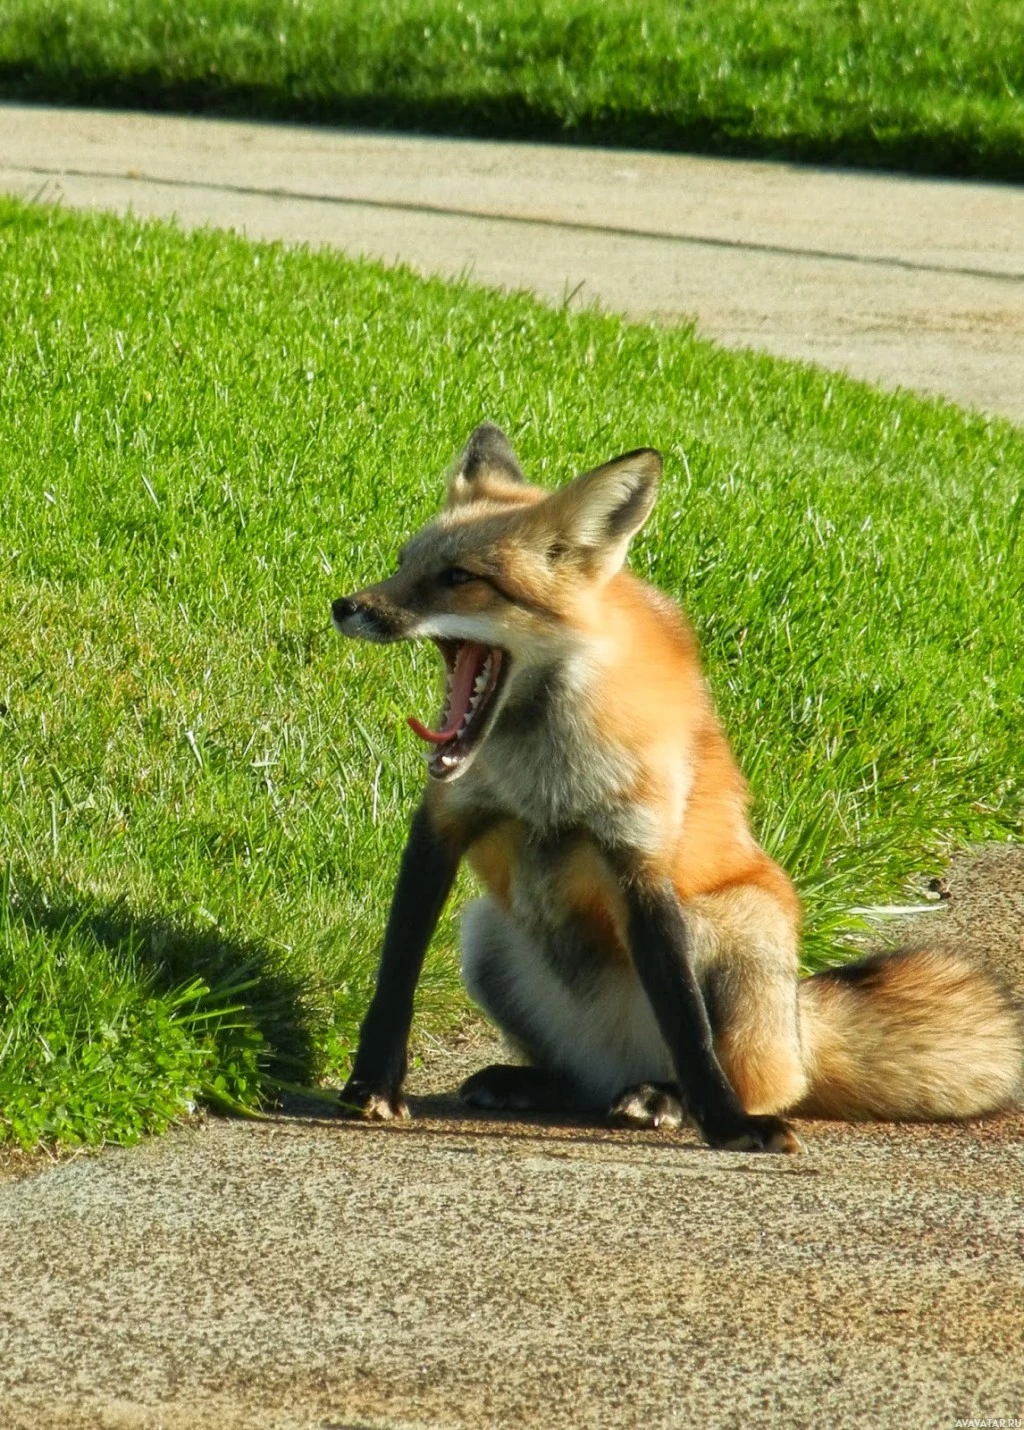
[[486, 463], [596, 516]]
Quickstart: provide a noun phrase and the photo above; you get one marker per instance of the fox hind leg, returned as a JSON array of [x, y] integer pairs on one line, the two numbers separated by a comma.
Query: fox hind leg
[[754, 1014], [493, 953], [513, 1088], [510, 1087], [745, 945]]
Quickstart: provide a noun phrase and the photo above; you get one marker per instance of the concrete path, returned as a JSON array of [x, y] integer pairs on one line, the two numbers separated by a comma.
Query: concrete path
[[457, 1274], [901, 281]]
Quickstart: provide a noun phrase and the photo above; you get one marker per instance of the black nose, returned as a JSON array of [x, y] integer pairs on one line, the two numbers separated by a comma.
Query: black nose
[[342, 608]]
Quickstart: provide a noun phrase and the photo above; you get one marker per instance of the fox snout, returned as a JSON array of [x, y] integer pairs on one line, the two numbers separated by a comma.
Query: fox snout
[[344, 610], [369, 617]]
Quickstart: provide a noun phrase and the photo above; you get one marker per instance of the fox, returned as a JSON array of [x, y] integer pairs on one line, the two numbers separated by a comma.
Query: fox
[[634, 944]]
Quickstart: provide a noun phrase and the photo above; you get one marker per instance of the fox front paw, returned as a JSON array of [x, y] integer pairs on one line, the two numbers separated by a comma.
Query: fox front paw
[[756, 1134], [648, 1104], [372, 1102]]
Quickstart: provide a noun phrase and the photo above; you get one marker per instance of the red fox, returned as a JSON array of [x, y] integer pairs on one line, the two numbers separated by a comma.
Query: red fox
[[635, 944]]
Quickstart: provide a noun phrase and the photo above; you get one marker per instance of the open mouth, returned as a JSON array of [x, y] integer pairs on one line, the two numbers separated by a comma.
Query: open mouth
[[475, 675]]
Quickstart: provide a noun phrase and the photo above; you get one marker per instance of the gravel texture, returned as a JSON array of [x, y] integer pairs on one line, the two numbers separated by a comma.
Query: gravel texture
[[464, 1272]]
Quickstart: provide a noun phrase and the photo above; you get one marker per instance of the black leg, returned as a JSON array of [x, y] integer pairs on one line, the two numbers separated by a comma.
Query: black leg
[[658, 943], [428, 869]]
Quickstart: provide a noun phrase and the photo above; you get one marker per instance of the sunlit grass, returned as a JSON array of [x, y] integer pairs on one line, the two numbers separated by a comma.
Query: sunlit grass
[[203, 793]]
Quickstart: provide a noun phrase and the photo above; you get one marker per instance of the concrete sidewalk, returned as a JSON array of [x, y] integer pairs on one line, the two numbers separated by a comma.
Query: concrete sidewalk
[[466, 1273], [909, 282]]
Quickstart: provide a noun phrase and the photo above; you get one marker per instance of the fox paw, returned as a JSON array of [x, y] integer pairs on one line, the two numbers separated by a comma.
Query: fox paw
[[371, 1102], [508, 1087], [647, 1104], [501, 1087], [756, 1134]]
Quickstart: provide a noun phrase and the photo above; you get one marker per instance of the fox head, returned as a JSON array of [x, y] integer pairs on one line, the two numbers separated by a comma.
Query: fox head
[[499, 579]]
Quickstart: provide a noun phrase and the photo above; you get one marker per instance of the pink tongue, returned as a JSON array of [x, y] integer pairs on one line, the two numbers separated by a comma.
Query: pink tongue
[[468, 664]]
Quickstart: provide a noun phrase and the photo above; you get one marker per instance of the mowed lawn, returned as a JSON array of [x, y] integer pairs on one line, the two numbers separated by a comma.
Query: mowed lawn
[[203, 792], [930, 86]]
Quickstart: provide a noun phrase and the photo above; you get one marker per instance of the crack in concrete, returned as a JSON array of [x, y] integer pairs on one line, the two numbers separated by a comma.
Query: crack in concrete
[[539, 220]]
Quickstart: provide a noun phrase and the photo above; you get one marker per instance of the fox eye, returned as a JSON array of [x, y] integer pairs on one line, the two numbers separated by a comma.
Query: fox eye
[[454, 576]]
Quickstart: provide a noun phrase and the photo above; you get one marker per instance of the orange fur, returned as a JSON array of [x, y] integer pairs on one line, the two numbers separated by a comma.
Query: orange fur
[[492, 856], [593, 894], [638, 770]]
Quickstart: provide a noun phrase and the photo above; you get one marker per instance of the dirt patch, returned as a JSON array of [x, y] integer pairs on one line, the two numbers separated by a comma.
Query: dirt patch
[[15, 1163], [984, 914]]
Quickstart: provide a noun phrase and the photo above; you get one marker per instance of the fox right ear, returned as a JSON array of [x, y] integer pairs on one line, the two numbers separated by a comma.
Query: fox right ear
[[486, 463], [595, 517]]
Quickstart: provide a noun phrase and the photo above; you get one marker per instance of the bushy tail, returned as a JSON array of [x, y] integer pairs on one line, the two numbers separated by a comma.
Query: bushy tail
[[914, 1035]]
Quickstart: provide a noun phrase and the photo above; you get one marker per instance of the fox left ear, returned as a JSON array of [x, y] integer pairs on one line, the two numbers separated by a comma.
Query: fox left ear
[[597, 515], [485, 465]]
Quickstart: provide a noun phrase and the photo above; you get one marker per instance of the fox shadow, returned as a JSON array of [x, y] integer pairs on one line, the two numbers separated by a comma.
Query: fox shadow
[[245, 974]]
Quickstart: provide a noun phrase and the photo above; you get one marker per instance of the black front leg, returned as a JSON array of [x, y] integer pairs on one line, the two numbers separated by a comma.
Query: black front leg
[[429, 865], [661, 955]]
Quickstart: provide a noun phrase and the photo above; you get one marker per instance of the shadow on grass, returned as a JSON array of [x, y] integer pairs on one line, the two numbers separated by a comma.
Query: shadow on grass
[[944, 150], [168, 953]]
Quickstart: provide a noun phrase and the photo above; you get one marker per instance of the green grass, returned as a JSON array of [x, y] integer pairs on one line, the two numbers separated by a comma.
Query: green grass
[[928, 86], [203, 793]]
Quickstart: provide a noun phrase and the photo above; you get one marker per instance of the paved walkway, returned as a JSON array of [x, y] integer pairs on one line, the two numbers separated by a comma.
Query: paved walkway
[[900, 281], [466, 1274]]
